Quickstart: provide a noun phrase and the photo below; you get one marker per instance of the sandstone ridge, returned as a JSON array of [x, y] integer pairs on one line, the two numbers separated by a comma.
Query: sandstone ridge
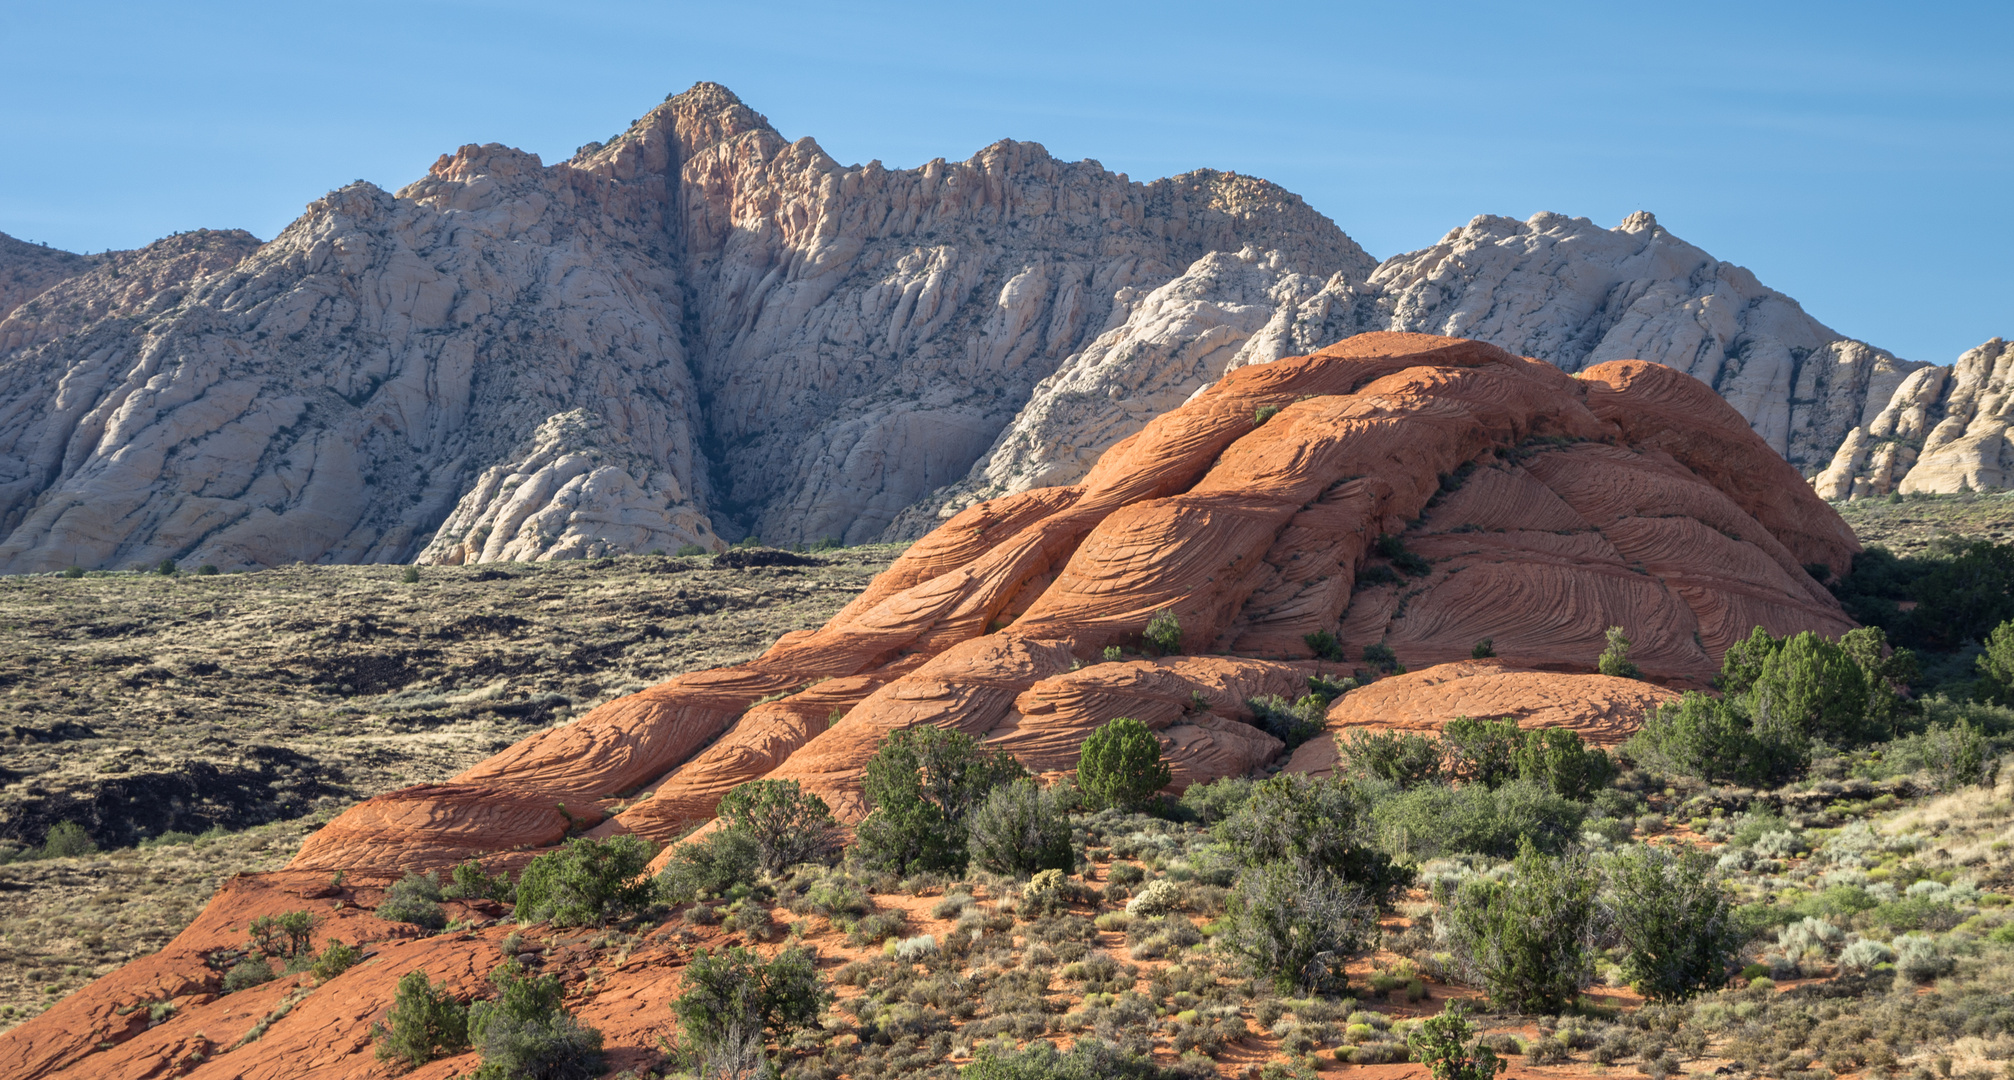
[[1530, 507]]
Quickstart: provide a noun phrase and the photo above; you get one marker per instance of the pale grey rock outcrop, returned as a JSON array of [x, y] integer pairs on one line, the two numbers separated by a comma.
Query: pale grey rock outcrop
[[574, 491], [1941, 430], [1556, 288], [1572, 293], [331, 396], [772, 342]]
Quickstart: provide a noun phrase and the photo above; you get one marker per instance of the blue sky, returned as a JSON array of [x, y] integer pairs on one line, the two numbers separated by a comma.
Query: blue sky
[[1855, 156]]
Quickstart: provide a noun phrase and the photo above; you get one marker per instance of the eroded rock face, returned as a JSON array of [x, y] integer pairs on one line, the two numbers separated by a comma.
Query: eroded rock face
[[1941, 430], [1546, 507], [702, 330], [1560, 289], [548, 356]]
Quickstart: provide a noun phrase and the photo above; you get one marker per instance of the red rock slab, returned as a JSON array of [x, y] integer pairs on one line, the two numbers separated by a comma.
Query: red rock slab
[[1049, 721], [67, 1039], [625, 742], [971, 688], [1662, 408], [757, 743], [1602, 709], [434, 826]]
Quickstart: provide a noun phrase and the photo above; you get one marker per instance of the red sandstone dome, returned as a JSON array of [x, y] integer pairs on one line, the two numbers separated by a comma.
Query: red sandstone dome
[[1547, 508]]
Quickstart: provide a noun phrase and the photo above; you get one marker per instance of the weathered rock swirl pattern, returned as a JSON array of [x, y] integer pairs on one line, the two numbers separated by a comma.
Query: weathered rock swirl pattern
[[1548, 507]]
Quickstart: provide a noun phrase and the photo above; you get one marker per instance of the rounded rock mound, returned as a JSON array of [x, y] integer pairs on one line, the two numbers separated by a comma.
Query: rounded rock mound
[[1405, 495]]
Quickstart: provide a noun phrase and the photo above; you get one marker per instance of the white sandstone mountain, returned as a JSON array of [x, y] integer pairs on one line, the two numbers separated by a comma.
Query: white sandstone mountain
[[702, 329]]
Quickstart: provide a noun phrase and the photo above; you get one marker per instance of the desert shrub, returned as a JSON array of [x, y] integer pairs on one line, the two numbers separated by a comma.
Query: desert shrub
[[286, 934], [1378, 656], [788, 824], [922, 784], [425, 1022], [1811, 934], [1863, 955], [1482, 751], [1614, 659], [1400, 758], [1557, 758], [731, 995], [1408, 563], [1292, 723], [1089, 1058], [1669, 911], [1126, 874], [1316, 824], [1445, 1044], [1213, 802], [1436, 820], [1160, 897], [1527, 937], [335, 958], [708, 866], [468, 881], [1120, 765], [1297, 926], [1952, 754], [1812, 688], [1712, 738], [1164, 633], [586, 882], [1996, 666], [524, 1033], [1917, 957], [1324, 645], [877, 927], [1483, 649], [1264, 413], [411, 575], [1021, 828], [66, 839], [415, 899], [246, 973]]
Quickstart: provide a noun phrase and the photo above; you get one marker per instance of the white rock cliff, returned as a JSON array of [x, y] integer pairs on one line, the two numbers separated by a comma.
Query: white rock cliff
[[701, 330]]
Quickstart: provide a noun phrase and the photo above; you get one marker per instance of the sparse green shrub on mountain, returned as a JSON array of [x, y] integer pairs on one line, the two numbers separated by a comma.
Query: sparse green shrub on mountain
[[1447, 1046], [1294, 722], [425, 1022], [709, 865], [1316, 824], [1614, 659], [921, 785], [286, 934], [525, 1033], [732, 996], [415, 899], [1527, 938], [1433, 820], [1673, 918], [1020, 829], [1297, 927], [1164, 633], [468, 881], [788, 824], [586, 882], [1120, 765], [1401, 758]]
